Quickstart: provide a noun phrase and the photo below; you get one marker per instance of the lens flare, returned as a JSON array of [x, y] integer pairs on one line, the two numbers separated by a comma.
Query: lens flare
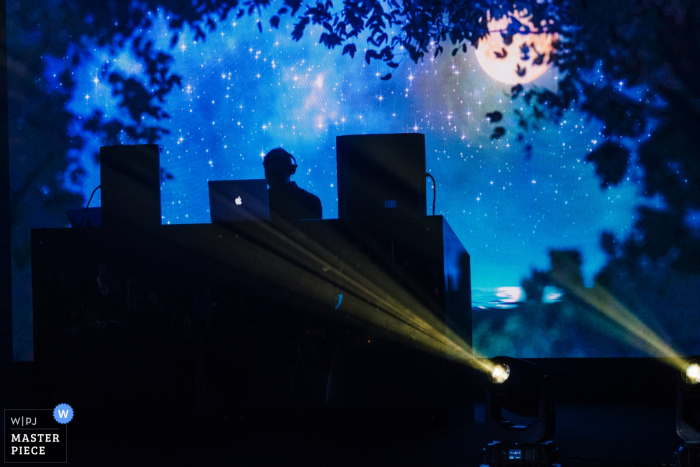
[[500, 373]]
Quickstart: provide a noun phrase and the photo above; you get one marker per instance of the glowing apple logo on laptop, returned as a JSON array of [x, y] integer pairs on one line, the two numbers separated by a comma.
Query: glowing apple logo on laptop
[[238, 201]]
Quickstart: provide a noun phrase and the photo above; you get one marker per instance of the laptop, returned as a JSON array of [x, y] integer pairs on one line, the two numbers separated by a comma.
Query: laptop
[[81, 217], [238, 200]]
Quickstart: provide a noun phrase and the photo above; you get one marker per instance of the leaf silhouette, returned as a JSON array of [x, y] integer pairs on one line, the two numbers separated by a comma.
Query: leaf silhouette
[[610, 161], [524, 52], [494, 116], [502, 54], [516, 90], [350, 49]]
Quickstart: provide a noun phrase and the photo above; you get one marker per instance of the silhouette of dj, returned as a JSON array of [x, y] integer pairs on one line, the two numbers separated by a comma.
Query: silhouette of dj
[[287, 200]]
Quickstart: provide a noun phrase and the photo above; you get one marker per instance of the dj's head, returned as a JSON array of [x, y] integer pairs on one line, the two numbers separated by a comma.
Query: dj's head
[[279, 167]]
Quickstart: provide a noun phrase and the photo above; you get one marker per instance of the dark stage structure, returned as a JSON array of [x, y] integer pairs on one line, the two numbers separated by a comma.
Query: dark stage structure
[[343, 315], [312, 342]]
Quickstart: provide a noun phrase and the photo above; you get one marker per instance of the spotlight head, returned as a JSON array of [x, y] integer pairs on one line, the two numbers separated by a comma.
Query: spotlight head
[[690, 374], [688, 403], [523, 389], [500, 373]]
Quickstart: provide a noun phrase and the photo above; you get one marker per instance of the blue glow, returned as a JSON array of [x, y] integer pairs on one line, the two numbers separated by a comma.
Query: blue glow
[[244, 93]]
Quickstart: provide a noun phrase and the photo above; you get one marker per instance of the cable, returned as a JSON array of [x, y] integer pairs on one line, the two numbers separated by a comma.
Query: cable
[[434, 190], [88, 205], [591, 459], [91, 195]]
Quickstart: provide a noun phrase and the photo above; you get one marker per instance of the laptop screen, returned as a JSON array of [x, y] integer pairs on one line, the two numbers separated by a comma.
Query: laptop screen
[[238, 200]]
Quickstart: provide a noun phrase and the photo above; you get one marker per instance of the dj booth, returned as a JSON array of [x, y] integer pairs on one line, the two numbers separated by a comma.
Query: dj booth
[[336, 315]]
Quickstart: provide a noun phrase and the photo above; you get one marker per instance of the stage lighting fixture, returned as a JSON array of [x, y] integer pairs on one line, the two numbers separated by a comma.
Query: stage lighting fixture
[[691, 373], [523, 389], [688, 413], [500, 373]]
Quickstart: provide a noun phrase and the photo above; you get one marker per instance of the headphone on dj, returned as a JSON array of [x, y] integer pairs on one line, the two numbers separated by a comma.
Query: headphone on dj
[[293, 166]]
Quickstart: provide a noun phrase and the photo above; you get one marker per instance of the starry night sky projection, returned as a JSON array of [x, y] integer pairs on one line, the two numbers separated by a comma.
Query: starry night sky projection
[[245, 93]]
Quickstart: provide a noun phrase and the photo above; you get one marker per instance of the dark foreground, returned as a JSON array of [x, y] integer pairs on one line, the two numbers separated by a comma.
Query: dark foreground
[[622, 411]]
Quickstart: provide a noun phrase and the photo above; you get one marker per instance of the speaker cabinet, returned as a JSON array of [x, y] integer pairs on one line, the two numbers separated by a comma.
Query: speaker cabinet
[[381, 176], [130, 179]]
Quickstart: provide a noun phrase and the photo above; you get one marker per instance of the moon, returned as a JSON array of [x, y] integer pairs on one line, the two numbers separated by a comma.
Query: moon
[[514, 64]]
